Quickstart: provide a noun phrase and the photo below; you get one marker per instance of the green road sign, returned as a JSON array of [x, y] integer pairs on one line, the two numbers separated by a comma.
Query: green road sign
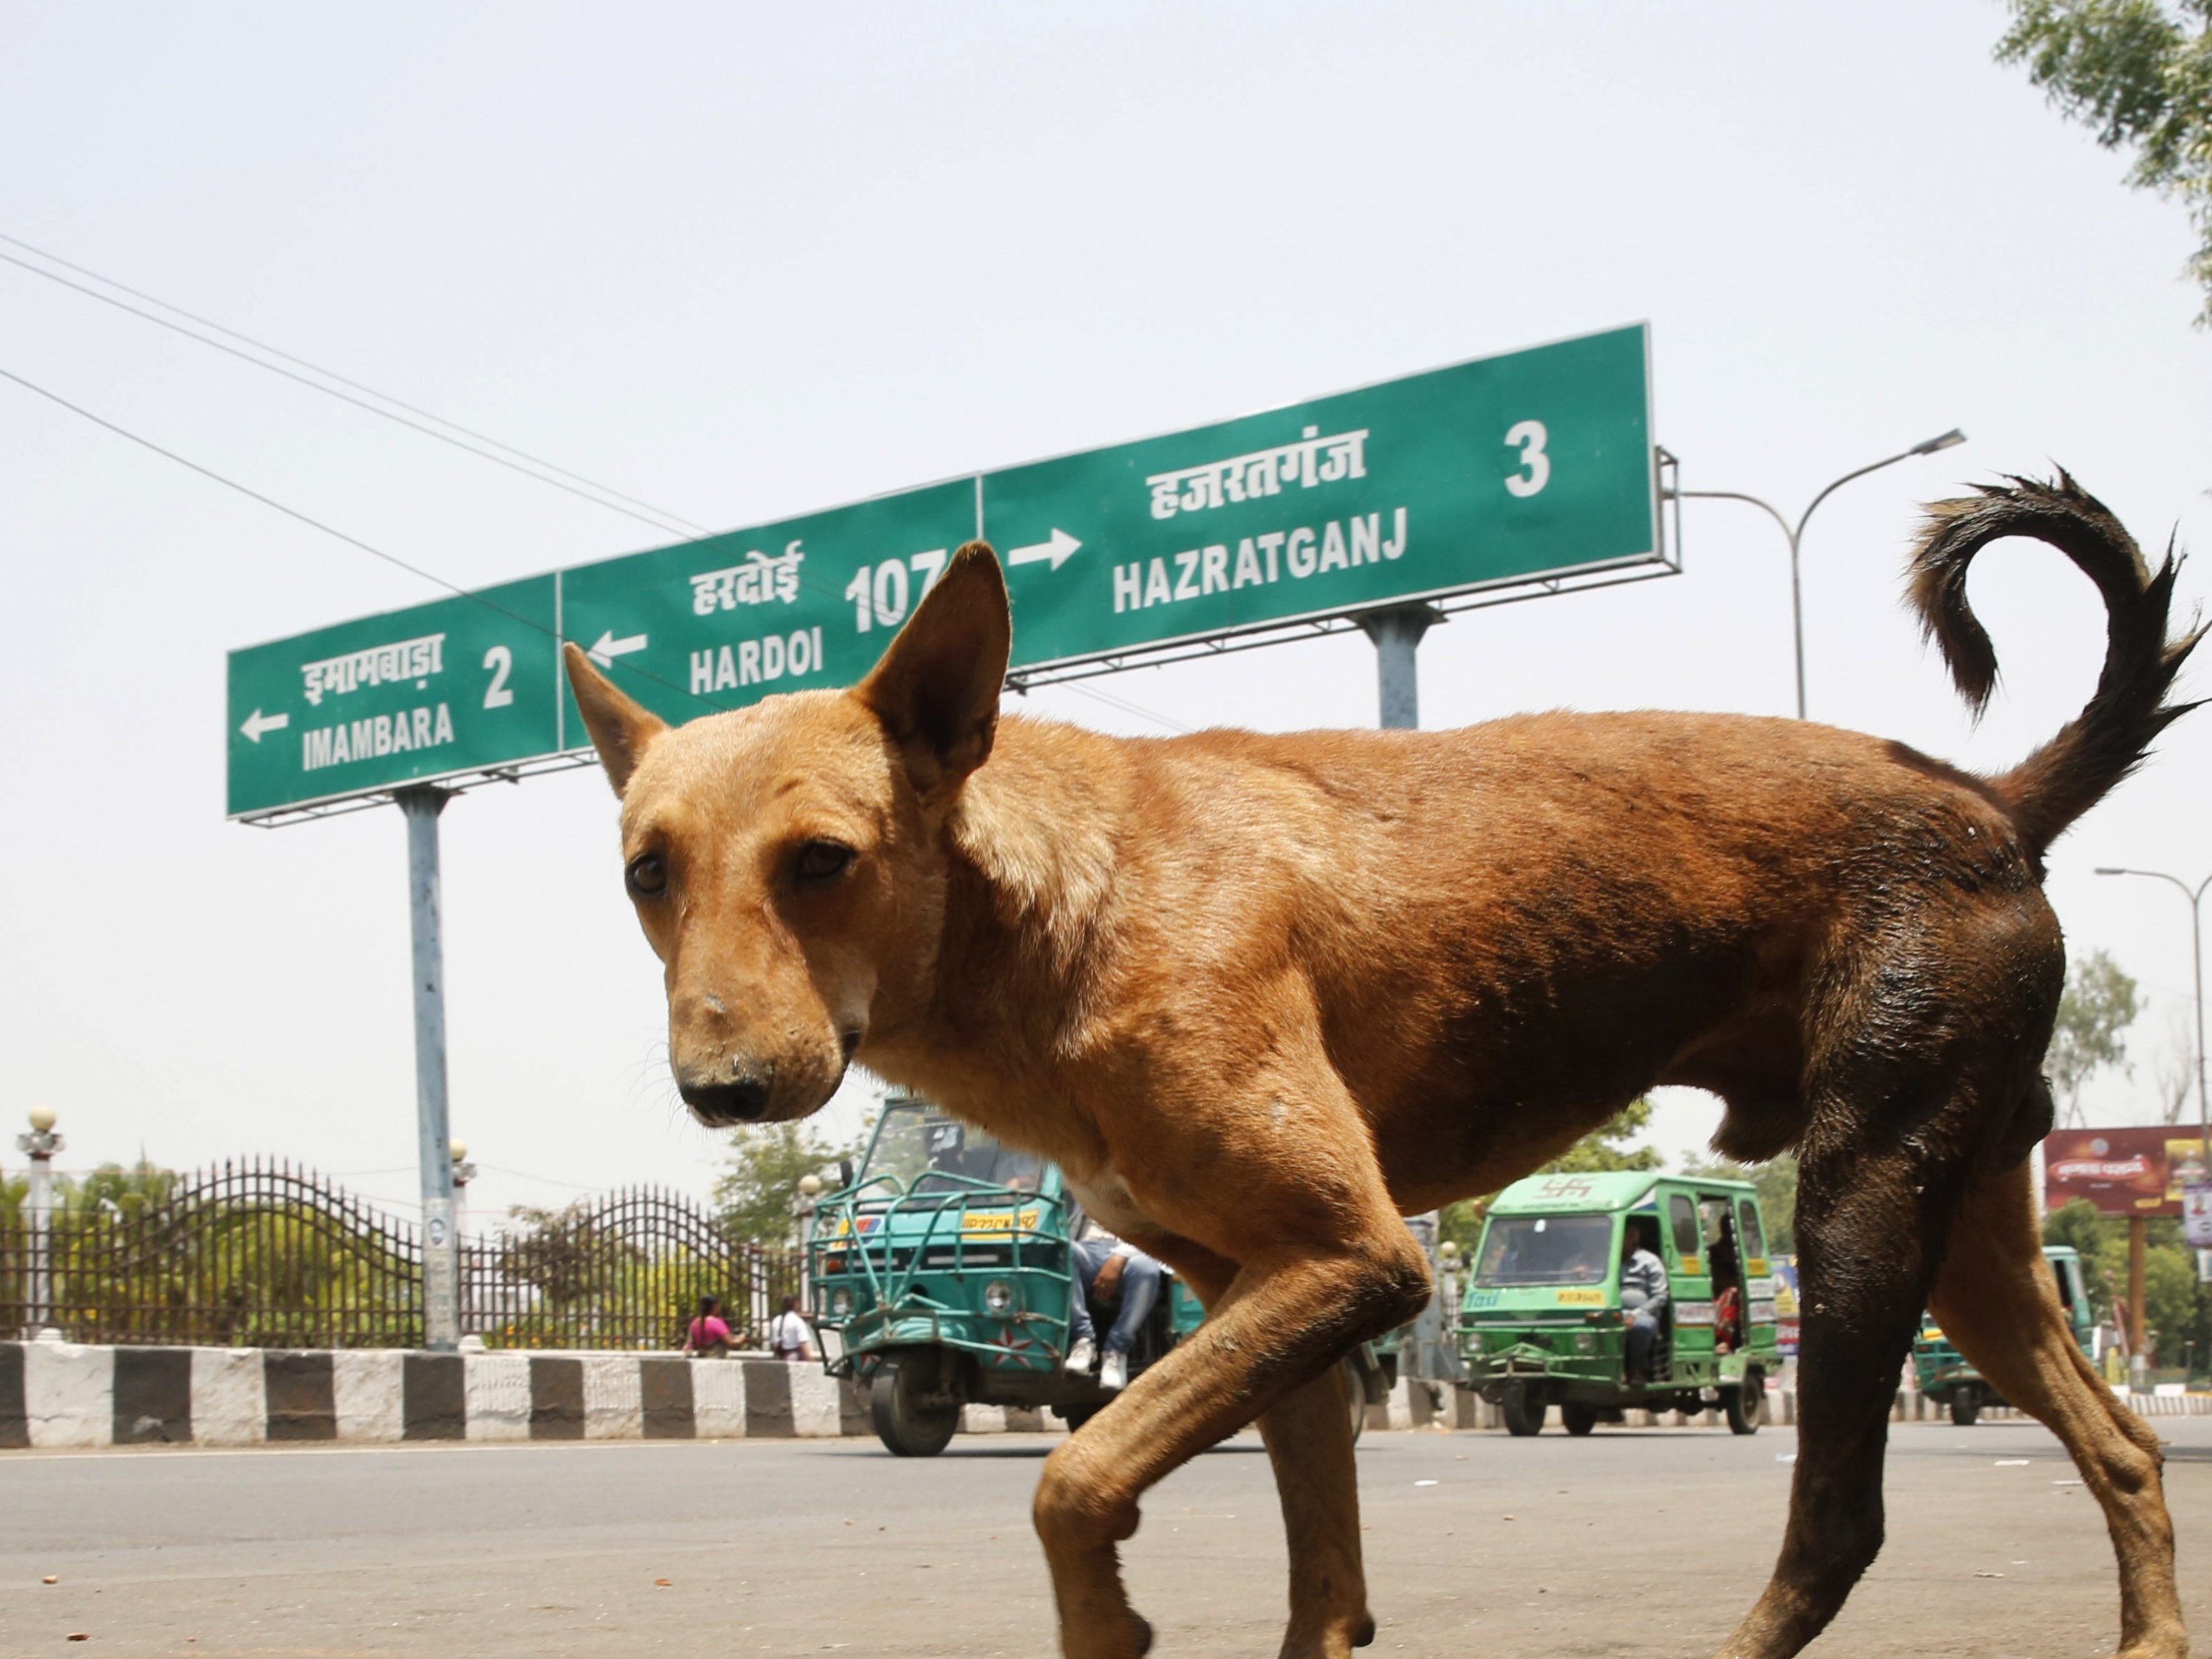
[[1536, 463], [808, 602], [455, 686], [1532, 467]]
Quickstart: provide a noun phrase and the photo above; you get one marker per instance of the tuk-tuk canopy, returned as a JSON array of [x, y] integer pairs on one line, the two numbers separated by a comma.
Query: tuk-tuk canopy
[[1611, 1191]]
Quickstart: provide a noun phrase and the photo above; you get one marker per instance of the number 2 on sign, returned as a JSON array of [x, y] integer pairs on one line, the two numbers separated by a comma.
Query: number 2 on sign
[[1528, 437], [501, 661], [880, 593]]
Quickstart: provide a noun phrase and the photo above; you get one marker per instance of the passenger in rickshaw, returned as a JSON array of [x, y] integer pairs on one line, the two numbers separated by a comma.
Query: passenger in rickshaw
[[1102, 1269], [1643, 1296], [1728, 1290]]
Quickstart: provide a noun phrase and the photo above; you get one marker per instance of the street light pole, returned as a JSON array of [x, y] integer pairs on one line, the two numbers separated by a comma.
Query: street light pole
[[1796, 533], [2195, 897]]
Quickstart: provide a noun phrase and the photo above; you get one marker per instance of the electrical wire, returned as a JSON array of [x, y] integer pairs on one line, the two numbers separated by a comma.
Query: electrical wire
[[596, 494], [375, 552]]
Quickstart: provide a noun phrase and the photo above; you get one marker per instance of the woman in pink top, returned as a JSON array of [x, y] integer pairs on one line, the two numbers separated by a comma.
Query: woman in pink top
[[708, 1335]]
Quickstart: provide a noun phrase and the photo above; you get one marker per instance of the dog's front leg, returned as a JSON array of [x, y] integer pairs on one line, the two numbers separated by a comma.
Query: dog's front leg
[[1282, 1325]]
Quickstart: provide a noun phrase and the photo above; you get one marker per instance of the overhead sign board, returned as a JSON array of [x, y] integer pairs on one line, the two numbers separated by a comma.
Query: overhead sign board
[[2131, 1172], [1534, 467], [805, 603], [1534, 463], [457, 685]]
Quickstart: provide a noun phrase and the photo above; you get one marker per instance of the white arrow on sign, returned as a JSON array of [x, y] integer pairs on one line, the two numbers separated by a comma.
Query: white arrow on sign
[[1056, 550], [609, 648], [257, 722]]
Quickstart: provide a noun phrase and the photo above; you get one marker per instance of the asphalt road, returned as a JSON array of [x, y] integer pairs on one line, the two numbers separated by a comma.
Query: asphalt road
[[1632, 1542]]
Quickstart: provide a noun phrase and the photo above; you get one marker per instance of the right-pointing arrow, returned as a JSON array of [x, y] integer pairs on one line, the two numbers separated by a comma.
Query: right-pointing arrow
[[1056, 550]]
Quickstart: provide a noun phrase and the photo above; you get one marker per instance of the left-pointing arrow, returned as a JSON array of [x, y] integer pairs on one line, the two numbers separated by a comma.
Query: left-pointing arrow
[[257, 722], [608, 647], [1056, 550]]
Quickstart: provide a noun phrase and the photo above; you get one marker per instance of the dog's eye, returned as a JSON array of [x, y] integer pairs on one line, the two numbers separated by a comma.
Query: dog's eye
[[823, 860], [648, 876]]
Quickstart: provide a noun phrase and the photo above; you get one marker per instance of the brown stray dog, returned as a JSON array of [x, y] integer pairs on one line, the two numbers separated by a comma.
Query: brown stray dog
[[1345, 976]]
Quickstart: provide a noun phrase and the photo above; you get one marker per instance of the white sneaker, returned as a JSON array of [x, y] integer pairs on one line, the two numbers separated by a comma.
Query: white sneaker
[[1114, 1372], [1080, 1357]]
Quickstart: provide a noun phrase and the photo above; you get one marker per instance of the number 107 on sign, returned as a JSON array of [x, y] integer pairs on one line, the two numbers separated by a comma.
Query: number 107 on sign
[[882, 594]]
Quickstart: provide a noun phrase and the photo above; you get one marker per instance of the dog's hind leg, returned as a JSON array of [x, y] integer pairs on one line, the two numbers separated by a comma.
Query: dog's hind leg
[[1308, 1434], [1995, 1301], [1881, 1167]]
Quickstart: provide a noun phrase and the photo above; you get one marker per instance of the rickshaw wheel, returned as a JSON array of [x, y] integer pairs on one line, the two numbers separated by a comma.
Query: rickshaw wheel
[[1746, 1406], [1524, 1416], [908, 1423], [1966, 1406], [1355, 1386], [1577, 1420]]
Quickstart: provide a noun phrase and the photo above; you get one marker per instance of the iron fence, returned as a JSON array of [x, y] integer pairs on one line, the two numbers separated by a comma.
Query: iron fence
[[266, 1253]]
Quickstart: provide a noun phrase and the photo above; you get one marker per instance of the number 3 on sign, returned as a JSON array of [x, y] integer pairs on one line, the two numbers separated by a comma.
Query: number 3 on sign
[[1528, 437]]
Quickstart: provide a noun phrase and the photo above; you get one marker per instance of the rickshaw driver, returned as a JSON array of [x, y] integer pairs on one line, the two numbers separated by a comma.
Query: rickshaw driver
[[1643, 1296]]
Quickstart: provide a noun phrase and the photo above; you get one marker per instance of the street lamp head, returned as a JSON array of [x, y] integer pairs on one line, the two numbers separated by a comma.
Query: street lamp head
[[459, 1149], [1950, 440], [42, 1118], [809, 1185]]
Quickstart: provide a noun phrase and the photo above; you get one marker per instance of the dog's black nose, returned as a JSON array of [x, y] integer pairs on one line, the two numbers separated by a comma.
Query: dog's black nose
[[742, 1102]]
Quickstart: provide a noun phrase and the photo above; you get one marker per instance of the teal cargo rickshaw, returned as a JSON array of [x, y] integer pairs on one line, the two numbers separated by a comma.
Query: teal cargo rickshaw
[[1945, 1377], [1542, 1323], [940, 1278]]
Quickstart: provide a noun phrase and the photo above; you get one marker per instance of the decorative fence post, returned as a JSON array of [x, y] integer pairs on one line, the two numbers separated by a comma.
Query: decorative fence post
[[41, 1143]]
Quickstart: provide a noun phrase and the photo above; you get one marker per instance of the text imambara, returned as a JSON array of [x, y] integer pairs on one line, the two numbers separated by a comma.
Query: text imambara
[[381, 665], [1339, 544], [760, 579], [1312, 461], [375, 735]]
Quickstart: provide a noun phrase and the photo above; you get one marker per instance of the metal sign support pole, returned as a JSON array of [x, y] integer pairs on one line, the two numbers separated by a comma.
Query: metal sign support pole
[[1397, 636], [441, 1329]]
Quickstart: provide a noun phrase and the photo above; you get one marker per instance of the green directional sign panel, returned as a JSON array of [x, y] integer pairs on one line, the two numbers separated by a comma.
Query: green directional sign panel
[[805, 603], [1534, 464], [434, 690], [1512, 469]]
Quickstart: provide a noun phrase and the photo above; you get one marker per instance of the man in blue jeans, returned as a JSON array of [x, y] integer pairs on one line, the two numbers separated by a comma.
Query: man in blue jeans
[[1104, 1267]]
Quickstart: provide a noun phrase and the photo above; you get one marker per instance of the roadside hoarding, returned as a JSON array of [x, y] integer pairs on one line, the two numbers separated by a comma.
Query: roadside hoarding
[[2124, 1172]]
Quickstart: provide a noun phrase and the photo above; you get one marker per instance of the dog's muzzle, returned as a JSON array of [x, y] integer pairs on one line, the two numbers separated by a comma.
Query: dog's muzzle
[[718, 1105]]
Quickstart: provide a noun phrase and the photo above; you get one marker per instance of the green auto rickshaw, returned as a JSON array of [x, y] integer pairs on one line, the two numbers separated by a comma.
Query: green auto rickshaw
[[939, 1278], [1542, 1321], [1945, 1377]]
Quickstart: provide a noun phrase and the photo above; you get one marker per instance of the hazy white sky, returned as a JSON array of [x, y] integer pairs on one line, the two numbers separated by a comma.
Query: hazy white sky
[[743, 262]]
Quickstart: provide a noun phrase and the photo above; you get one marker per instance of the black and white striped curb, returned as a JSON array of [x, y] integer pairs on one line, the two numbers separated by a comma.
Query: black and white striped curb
[[56, 1394]]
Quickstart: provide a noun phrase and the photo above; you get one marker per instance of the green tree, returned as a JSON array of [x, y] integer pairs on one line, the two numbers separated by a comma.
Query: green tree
[[1776, 1182], [2138, 73], [1601, 1151], [759, 1187], [2099, 1003], [2104, 1248], [2172, 1303]]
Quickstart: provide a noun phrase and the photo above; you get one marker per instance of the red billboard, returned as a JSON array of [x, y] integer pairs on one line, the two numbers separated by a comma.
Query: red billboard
[[2122, 1171]]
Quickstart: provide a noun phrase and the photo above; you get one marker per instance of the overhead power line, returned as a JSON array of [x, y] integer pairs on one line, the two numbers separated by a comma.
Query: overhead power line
[[663, 519], [471, 441], [412, 570]]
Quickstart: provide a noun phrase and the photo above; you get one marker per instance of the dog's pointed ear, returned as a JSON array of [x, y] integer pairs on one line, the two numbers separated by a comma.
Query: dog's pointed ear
[[935, 689], [621, 728]]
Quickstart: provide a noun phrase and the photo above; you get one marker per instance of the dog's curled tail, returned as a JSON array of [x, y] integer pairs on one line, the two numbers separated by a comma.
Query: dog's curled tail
[[2107, 739]]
